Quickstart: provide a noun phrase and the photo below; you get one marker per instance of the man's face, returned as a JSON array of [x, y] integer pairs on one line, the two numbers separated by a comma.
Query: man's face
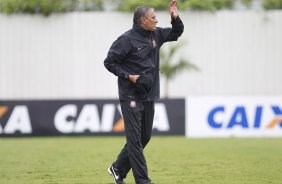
[[149, 21]]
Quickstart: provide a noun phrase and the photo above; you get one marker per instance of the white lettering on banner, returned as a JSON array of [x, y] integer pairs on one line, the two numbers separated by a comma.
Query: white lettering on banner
[[108, 117], [119, 109], [160, 119], [61, 121], [234, 116], [0, 129], [68, 120], [19, 121], [88, 119]]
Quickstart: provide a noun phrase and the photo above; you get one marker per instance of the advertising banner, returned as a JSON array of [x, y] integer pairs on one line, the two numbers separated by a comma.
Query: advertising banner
[[82, 117], [245, 116]]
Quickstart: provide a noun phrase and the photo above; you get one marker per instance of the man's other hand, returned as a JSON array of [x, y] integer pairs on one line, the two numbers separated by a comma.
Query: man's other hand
[[133, 78]]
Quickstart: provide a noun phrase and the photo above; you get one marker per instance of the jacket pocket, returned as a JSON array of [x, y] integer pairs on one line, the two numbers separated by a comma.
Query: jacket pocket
[[144, 83]]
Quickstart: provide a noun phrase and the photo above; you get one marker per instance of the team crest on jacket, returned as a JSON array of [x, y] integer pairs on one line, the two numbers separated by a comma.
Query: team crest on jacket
[[132, 104]]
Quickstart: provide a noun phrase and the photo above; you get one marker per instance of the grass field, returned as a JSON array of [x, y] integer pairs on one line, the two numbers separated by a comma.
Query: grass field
[[171, 160]]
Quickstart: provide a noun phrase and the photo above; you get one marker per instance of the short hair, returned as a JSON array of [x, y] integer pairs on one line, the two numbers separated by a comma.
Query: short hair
[[140, 11]]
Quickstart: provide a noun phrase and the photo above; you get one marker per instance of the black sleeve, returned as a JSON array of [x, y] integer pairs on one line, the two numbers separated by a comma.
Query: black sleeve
[[116, 56], [172, 34]]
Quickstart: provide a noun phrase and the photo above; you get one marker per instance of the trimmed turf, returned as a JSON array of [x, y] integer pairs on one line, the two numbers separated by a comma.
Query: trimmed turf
[[171, 160]]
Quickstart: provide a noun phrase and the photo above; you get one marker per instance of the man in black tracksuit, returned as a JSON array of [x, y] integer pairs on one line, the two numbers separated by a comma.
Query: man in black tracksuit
[[134, 59]]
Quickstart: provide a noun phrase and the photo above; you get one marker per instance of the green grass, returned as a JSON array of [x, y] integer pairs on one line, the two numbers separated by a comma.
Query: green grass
[[171, 160]]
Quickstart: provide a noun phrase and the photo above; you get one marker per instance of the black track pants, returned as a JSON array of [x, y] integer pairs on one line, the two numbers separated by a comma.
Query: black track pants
[[138, 119]]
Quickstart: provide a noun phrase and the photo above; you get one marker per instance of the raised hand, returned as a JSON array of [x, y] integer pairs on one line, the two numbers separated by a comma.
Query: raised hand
[[172, 8]]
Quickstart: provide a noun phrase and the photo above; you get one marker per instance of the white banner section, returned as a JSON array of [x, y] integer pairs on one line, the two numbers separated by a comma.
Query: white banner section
[[247, 116]]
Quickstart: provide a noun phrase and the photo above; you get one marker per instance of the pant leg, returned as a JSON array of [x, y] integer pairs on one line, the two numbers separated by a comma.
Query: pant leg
[[122, 162], [132, 114], [147, 122]]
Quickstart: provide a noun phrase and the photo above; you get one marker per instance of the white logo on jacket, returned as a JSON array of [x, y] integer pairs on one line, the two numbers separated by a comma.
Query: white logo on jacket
[[132, 104]]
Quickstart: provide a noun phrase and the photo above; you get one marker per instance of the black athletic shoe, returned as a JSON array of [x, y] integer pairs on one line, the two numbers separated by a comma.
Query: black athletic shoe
[[116, 174]]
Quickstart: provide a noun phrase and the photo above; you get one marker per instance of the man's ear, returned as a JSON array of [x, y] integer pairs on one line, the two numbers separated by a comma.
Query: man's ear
[[142, 19]]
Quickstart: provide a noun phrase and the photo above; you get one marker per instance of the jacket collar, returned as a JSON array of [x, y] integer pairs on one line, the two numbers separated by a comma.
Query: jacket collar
[[141, 30]]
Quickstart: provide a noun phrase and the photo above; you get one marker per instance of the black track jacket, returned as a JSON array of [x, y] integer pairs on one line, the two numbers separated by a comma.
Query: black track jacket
[[136, 52]]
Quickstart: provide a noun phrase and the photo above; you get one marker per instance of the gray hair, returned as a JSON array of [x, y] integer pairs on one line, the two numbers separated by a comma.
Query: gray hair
[[140, 11]]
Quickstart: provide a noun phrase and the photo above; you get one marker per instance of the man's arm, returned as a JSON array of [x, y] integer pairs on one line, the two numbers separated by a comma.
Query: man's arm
[[172, 34], [116, 55]]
